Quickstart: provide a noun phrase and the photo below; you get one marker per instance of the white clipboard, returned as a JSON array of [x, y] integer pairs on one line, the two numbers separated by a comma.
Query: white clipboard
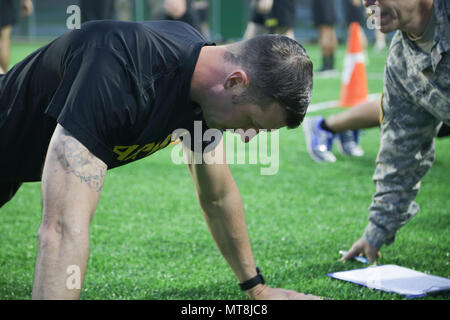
[[395, 279]]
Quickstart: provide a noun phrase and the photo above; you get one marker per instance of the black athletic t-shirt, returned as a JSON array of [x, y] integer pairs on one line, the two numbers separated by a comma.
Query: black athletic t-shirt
[[120, 88]]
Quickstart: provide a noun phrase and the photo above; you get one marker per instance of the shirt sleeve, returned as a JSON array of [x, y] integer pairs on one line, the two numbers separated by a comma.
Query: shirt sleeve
[[405, 156], [96, 101]]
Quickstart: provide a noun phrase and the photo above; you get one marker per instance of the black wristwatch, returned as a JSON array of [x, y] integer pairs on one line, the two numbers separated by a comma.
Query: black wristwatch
[[246, 285]]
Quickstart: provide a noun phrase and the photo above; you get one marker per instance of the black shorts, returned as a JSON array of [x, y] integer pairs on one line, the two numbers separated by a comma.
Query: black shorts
[[354, 13], [323, 12], [7, 191], [96, 10], [282, 15], [8, 13]]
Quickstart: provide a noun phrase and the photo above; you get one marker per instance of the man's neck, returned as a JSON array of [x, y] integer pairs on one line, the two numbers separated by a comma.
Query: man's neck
[[207, 72], [207, 85], [421, 17]]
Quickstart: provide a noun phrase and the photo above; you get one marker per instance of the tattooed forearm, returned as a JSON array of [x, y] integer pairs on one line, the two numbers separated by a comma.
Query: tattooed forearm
[[79, 161]]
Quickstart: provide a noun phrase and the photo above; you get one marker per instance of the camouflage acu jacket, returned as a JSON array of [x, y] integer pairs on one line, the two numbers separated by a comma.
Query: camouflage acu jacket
[[416, 99]]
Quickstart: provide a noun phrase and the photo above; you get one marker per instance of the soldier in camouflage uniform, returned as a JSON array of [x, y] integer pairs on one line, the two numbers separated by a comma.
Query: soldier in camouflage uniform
[[416, 101]]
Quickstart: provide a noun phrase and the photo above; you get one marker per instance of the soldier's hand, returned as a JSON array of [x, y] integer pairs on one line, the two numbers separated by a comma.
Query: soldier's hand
[[363, 248], [262, 292]]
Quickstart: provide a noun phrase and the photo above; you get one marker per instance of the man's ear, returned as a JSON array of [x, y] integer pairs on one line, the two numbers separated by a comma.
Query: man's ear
[[236, 79]]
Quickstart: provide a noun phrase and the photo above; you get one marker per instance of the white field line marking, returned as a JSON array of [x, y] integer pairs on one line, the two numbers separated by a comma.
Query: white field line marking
[[334, 104], [338, 75]]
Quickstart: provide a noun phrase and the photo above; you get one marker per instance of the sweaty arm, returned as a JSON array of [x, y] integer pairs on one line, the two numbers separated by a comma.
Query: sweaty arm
[[71, 184], [223, 211]]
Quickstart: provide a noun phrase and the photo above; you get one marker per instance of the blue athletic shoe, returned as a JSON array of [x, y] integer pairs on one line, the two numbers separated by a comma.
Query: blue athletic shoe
[[318, 141], [348, 143]]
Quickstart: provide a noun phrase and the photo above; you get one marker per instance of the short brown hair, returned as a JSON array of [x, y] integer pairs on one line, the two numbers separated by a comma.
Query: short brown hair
[[279, 70]]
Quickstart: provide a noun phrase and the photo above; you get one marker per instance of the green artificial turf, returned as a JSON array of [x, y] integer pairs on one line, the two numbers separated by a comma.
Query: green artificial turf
[[149, 240]]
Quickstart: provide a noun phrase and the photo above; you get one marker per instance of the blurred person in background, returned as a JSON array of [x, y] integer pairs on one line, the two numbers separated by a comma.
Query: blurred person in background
[[124, 10], [97, 10], [344, 127], [380, 41], [202, 8], [182, 10], [380, 37], [272, 16], [324, 17], [355, 12], [8, 18]]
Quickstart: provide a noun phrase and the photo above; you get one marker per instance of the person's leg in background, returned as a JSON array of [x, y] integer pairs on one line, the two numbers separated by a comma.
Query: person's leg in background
[[181, 10], [124, 9], [380, 41], [344, 126], [256, 25], [328, 45], [253, 29], [8, 17], [5, 44], [324, 16], [355, 12], [281, 19], [363, 116], [202, 9], [320, 132]]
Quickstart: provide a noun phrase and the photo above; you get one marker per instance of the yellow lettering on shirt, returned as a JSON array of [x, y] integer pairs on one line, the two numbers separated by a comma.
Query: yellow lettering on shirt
[[126, 153]]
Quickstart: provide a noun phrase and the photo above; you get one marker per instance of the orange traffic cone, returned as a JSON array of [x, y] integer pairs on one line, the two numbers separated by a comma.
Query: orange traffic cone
[[354, 89]]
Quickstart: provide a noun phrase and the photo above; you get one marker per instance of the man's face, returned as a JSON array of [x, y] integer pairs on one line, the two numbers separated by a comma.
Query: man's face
[[251, 116], [395, 14], [229, 108]]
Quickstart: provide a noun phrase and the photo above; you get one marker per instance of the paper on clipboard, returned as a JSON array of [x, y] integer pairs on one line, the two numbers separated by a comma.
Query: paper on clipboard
[[395, 279]]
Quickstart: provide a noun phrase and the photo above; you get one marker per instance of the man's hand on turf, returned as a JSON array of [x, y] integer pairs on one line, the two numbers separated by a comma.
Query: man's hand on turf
[[262, 292], [363, 248]]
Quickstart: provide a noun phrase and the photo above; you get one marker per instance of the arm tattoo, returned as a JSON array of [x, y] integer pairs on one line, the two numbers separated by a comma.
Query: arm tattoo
[[79, 161]]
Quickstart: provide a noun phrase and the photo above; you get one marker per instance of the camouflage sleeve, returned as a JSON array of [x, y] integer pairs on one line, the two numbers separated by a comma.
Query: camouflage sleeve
[[406, 153]]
